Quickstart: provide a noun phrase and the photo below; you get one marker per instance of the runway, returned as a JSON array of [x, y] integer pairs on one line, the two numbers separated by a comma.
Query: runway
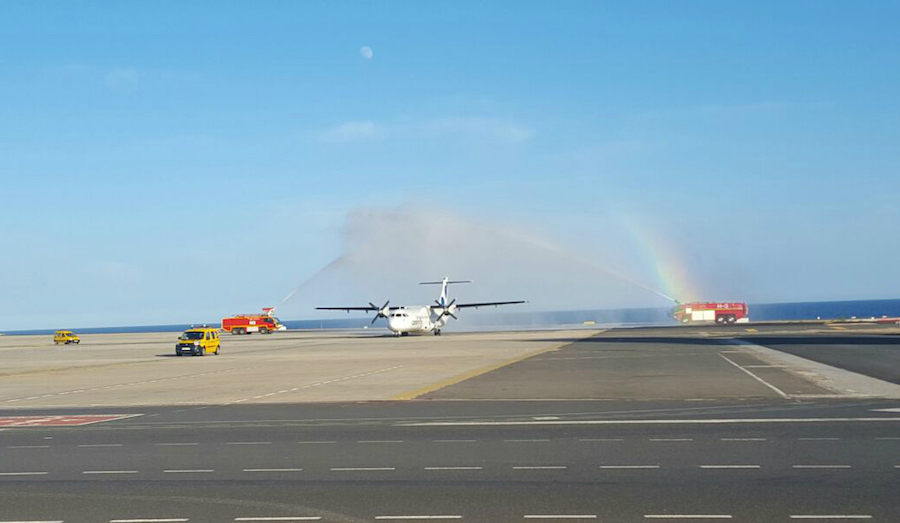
[[665, 429]]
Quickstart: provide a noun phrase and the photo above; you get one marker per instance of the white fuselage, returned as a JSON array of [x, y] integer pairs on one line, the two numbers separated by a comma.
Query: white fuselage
[[414, 320]]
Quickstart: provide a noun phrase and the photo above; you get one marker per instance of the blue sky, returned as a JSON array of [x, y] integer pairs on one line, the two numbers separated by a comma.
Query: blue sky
[[152, 151]]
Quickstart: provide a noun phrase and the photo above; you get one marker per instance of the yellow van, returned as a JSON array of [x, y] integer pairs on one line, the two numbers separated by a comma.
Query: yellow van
[[65, 337], [198, 341]]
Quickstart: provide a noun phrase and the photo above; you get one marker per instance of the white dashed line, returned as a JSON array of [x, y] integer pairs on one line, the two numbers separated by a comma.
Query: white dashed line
[[670, 440], [601, 439], [835, 516], [560, 516], [687, 516], [188, 471], [272, 470], [629, 466], [362, 469], [729, 466], [453, 468], [818, 439], [743, 439], [177, 444], [110, 472], [150, 520], [28, 447], [248, 443], [317, 442], [454, 441], [821, 466], [381, 441], [526, 440], [541, 467], [23, 473], [98, 445], [418, 517], [281, 518]]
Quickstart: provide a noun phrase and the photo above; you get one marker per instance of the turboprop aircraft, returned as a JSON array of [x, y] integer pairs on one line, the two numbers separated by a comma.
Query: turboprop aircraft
[[421, 319]]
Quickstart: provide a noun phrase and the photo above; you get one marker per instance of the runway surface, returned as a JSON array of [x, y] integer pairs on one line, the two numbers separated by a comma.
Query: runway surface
[[681, 424]]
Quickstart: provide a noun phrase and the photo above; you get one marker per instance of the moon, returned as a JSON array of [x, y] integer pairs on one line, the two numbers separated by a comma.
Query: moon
[[366, 52]]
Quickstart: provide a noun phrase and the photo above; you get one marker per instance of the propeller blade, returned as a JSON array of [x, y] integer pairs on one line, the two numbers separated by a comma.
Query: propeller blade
[[375, 319], [453, 315]]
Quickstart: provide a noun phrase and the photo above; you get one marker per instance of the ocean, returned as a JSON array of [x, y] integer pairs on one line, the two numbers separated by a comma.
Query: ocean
[[487, 318]]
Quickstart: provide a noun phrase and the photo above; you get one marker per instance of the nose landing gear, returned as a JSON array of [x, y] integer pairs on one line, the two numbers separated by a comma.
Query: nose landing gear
[[437, 332]]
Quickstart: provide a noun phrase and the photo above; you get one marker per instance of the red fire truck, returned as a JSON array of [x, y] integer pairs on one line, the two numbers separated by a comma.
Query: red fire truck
[[718, 312], [264, 323]]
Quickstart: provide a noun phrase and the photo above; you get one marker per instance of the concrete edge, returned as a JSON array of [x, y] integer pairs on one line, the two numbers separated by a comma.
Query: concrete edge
[[843, 383]]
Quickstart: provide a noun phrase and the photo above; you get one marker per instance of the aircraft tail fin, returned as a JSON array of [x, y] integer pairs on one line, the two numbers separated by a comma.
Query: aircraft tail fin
[[443, 283]]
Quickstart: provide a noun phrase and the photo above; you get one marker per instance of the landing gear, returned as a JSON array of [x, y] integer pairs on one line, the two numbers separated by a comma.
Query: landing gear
[[404, 334], [437, 332]]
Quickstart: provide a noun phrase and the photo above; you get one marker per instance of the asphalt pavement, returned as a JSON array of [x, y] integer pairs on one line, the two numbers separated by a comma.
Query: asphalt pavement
[[626, 426]]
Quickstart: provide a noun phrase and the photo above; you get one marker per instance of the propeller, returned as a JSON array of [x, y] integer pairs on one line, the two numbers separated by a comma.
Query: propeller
[[382, 312], [448, 310]]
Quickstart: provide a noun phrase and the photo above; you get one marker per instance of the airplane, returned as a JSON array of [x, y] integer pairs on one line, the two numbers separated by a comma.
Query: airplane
[[421, 319]]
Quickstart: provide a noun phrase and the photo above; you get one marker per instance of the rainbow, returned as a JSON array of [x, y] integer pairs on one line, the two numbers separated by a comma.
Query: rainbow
[[671, 275]]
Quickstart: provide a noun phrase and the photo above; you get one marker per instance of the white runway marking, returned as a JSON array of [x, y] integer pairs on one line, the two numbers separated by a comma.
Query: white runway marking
[[542, 467], [723, 421], [601, 439], [629, 466], [687, 516], [248, 443], [729, 466], [743, 439], [754, 376], [280, 518], [418, 517], [835, 516], [176, 444], [57, 521], [381, 441], [560, 516], [363, 469], [317, 442], [453, 468], [272, 470], [822, 466], [150, 520], [23, 473], [98, 445], [818, 439], [28, 447], [110, 472], [188, 471], [454, 441], [670, 440], [526, 440]]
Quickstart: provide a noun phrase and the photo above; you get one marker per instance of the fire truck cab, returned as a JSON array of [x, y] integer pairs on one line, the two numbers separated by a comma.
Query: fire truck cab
[[712, 312]]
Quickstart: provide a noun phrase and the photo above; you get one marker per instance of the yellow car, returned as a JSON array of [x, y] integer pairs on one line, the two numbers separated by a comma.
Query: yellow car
[[198, 341], [65, 337]]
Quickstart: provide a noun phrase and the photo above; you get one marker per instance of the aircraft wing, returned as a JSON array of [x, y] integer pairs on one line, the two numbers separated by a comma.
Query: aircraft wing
[[348, 309], [486, 304]]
